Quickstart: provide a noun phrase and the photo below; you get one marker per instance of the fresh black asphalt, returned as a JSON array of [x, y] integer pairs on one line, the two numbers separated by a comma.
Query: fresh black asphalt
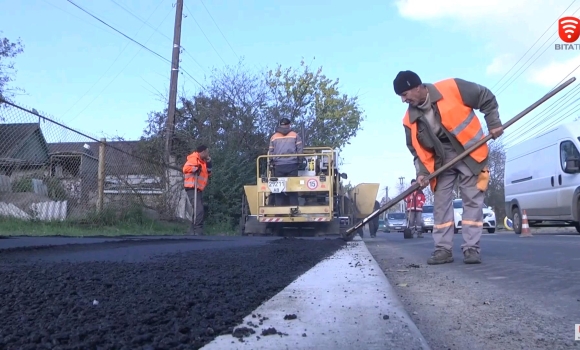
[[141, 293]]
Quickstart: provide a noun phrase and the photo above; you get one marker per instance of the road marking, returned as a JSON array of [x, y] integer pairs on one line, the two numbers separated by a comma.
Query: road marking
[[575, 235], [496, 278]]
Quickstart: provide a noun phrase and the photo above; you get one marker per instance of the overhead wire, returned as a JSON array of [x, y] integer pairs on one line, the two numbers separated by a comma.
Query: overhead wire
[[121, 71], [218, 28], [528, 127], [135, 41], [525, 53], [201, 29], [111, 66], [158, 31]]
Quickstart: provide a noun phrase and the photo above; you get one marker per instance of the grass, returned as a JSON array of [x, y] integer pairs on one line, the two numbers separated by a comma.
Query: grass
[[131, 222]]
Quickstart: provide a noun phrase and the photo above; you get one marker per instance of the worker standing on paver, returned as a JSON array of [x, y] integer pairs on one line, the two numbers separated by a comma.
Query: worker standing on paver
[[196, 173], [439, 125], [414, 203], [285, 141]]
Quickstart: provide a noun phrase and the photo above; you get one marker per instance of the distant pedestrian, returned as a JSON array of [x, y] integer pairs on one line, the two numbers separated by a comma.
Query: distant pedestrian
[[196, 172], [439, 125], [415, 202]]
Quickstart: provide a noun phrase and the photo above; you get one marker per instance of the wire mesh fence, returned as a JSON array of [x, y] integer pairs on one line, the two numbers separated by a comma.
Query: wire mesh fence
[[49, 172]]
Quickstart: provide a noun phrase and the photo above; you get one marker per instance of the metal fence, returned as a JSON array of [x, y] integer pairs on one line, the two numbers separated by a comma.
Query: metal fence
[[51, 172]]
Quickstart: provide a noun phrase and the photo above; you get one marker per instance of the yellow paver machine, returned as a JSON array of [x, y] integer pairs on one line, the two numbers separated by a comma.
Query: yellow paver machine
[[324, 205]]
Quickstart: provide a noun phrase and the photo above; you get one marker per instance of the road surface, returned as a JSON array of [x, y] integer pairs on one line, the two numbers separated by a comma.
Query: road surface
[[524, 295], [167, 293]]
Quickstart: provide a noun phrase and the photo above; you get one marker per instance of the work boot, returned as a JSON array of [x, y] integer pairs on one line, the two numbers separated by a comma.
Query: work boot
[[440, 256], [420, 235], [471, 256]]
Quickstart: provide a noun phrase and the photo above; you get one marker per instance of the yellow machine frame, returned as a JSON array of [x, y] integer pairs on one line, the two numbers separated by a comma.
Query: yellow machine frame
[[313, 187]]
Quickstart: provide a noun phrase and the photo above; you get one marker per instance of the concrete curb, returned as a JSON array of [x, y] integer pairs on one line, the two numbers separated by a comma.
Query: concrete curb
[[344, 302]]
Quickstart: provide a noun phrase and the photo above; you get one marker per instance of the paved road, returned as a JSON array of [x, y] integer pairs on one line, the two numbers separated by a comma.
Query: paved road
[[165, 293], [525, 294]]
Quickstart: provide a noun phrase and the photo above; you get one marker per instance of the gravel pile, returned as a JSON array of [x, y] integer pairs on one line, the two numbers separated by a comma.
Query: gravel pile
[[181, 301]]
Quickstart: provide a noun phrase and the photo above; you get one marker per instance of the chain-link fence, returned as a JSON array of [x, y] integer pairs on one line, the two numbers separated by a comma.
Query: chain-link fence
[[51, 172]]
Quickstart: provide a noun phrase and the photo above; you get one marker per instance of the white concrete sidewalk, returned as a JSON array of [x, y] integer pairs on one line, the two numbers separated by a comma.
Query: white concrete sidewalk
[[344, 302]]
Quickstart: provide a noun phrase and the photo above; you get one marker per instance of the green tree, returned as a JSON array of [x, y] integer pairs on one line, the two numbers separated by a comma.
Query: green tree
[[312, 100], [8, 50], [236, 113]]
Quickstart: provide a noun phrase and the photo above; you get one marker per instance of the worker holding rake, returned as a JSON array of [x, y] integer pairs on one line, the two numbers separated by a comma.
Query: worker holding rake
[[440, 124]]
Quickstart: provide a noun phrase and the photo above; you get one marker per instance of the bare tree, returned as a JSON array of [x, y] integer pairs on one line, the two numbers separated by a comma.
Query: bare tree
[[494, 196]]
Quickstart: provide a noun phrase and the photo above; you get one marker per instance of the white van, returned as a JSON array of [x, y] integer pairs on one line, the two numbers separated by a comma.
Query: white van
[[542, 177]]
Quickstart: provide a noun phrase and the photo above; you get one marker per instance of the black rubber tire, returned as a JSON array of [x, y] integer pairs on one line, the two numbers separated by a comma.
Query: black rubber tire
[[407, 233], [517, 220], [491, 230]]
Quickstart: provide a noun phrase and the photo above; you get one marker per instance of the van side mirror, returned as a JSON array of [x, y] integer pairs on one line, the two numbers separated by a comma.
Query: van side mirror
[[344, 176], [572, 165]]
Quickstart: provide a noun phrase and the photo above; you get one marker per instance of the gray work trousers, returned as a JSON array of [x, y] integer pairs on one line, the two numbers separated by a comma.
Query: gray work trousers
[[443, 215], [198, 217], [289, 198], [416, 220]]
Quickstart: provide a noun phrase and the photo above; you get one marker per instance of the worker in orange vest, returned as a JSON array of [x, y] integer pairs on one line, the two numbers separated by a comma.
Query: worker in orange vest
[[439, 125], [196, 173]]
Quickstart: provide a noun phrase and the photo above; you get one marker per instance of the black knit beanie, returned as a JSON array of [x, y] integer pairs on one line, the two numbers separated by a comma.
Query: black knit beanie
[[406, 80]]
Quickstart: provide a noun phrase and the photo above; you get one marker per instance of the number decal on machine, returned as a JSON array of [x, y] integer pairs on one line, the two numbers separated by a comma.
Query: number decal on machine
[[312, 184], [278, 186]]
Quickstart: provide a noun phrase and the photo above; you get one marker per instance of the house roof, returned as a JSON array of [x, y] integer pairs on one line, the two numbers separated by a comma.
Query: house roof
[[14, 135], [119, 155]]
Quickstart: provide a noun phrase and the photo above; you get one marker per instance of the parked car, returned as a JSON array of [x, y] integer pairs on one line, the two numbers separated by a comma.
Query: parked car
[[396, 222], [542, 177], [488, 216], [427, 218]]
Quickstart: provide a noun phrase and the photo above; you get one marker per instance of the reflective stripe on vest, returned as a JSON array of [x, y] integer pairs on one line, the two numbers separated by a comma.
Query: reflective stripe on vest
[[458, 119], [189, 181]]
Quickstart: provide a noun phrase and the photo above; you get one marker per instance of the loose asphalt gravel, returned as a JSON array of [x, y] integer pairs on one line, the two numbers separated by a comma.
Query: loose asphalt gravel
[[83, 296]]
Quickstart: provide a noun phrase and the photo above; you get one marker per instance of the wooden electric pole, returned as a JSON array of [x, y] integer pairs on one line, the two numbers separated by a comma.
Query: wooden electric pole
[[170, 124]]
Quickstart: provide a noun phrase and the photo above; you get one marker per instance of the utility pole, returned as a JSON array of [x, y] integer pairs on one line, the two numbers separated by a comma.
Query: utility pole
[[170, 124]]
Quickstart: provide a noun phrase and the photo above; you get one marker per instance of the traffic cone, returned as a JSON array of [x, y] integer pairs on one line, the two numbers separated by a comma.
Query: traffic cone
[[525, 226]]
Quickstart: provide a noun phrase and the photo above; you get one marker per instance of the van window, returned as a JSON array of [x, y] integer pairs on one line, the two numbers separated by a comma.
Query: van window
[[567, 150], [458, 204], [428, 209], [396, 216]]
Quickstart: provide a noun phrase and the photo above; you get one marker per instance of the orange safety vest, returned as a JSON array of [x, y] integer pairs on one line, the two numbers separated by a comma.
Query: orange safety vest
[[191, 165], [458, 119]]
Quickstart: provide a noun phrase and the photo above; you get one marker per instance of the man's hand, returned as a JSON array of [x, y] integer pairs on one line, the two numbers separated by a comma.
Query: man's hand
[[497, 132], [422, 181]]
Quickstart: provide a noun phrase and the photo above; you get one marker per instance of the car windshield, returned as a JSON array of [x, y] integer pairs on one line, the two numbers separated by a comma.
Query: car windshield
[[428, 209], [396, 216], [458, 204]]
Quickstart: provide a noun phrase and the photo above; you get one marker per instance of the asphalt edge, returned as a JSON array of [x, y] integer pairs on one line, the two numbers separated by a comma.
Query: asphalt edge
[[394, 298]]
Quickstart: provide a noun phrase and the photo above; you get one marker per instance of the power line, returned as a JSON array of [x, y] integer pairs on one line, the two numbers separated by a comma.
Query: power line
[[135, 41], [214, 22], [108, 69], [118, 31], [121, 71], [209, 41], [157, 30], [525, 53], [528, 66]]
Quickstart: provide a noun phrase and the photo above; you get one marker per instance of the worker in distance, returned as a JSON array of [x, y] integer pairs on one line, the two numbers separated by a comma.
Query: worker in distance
[[196, 173], [439, 124], [285, 141]]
